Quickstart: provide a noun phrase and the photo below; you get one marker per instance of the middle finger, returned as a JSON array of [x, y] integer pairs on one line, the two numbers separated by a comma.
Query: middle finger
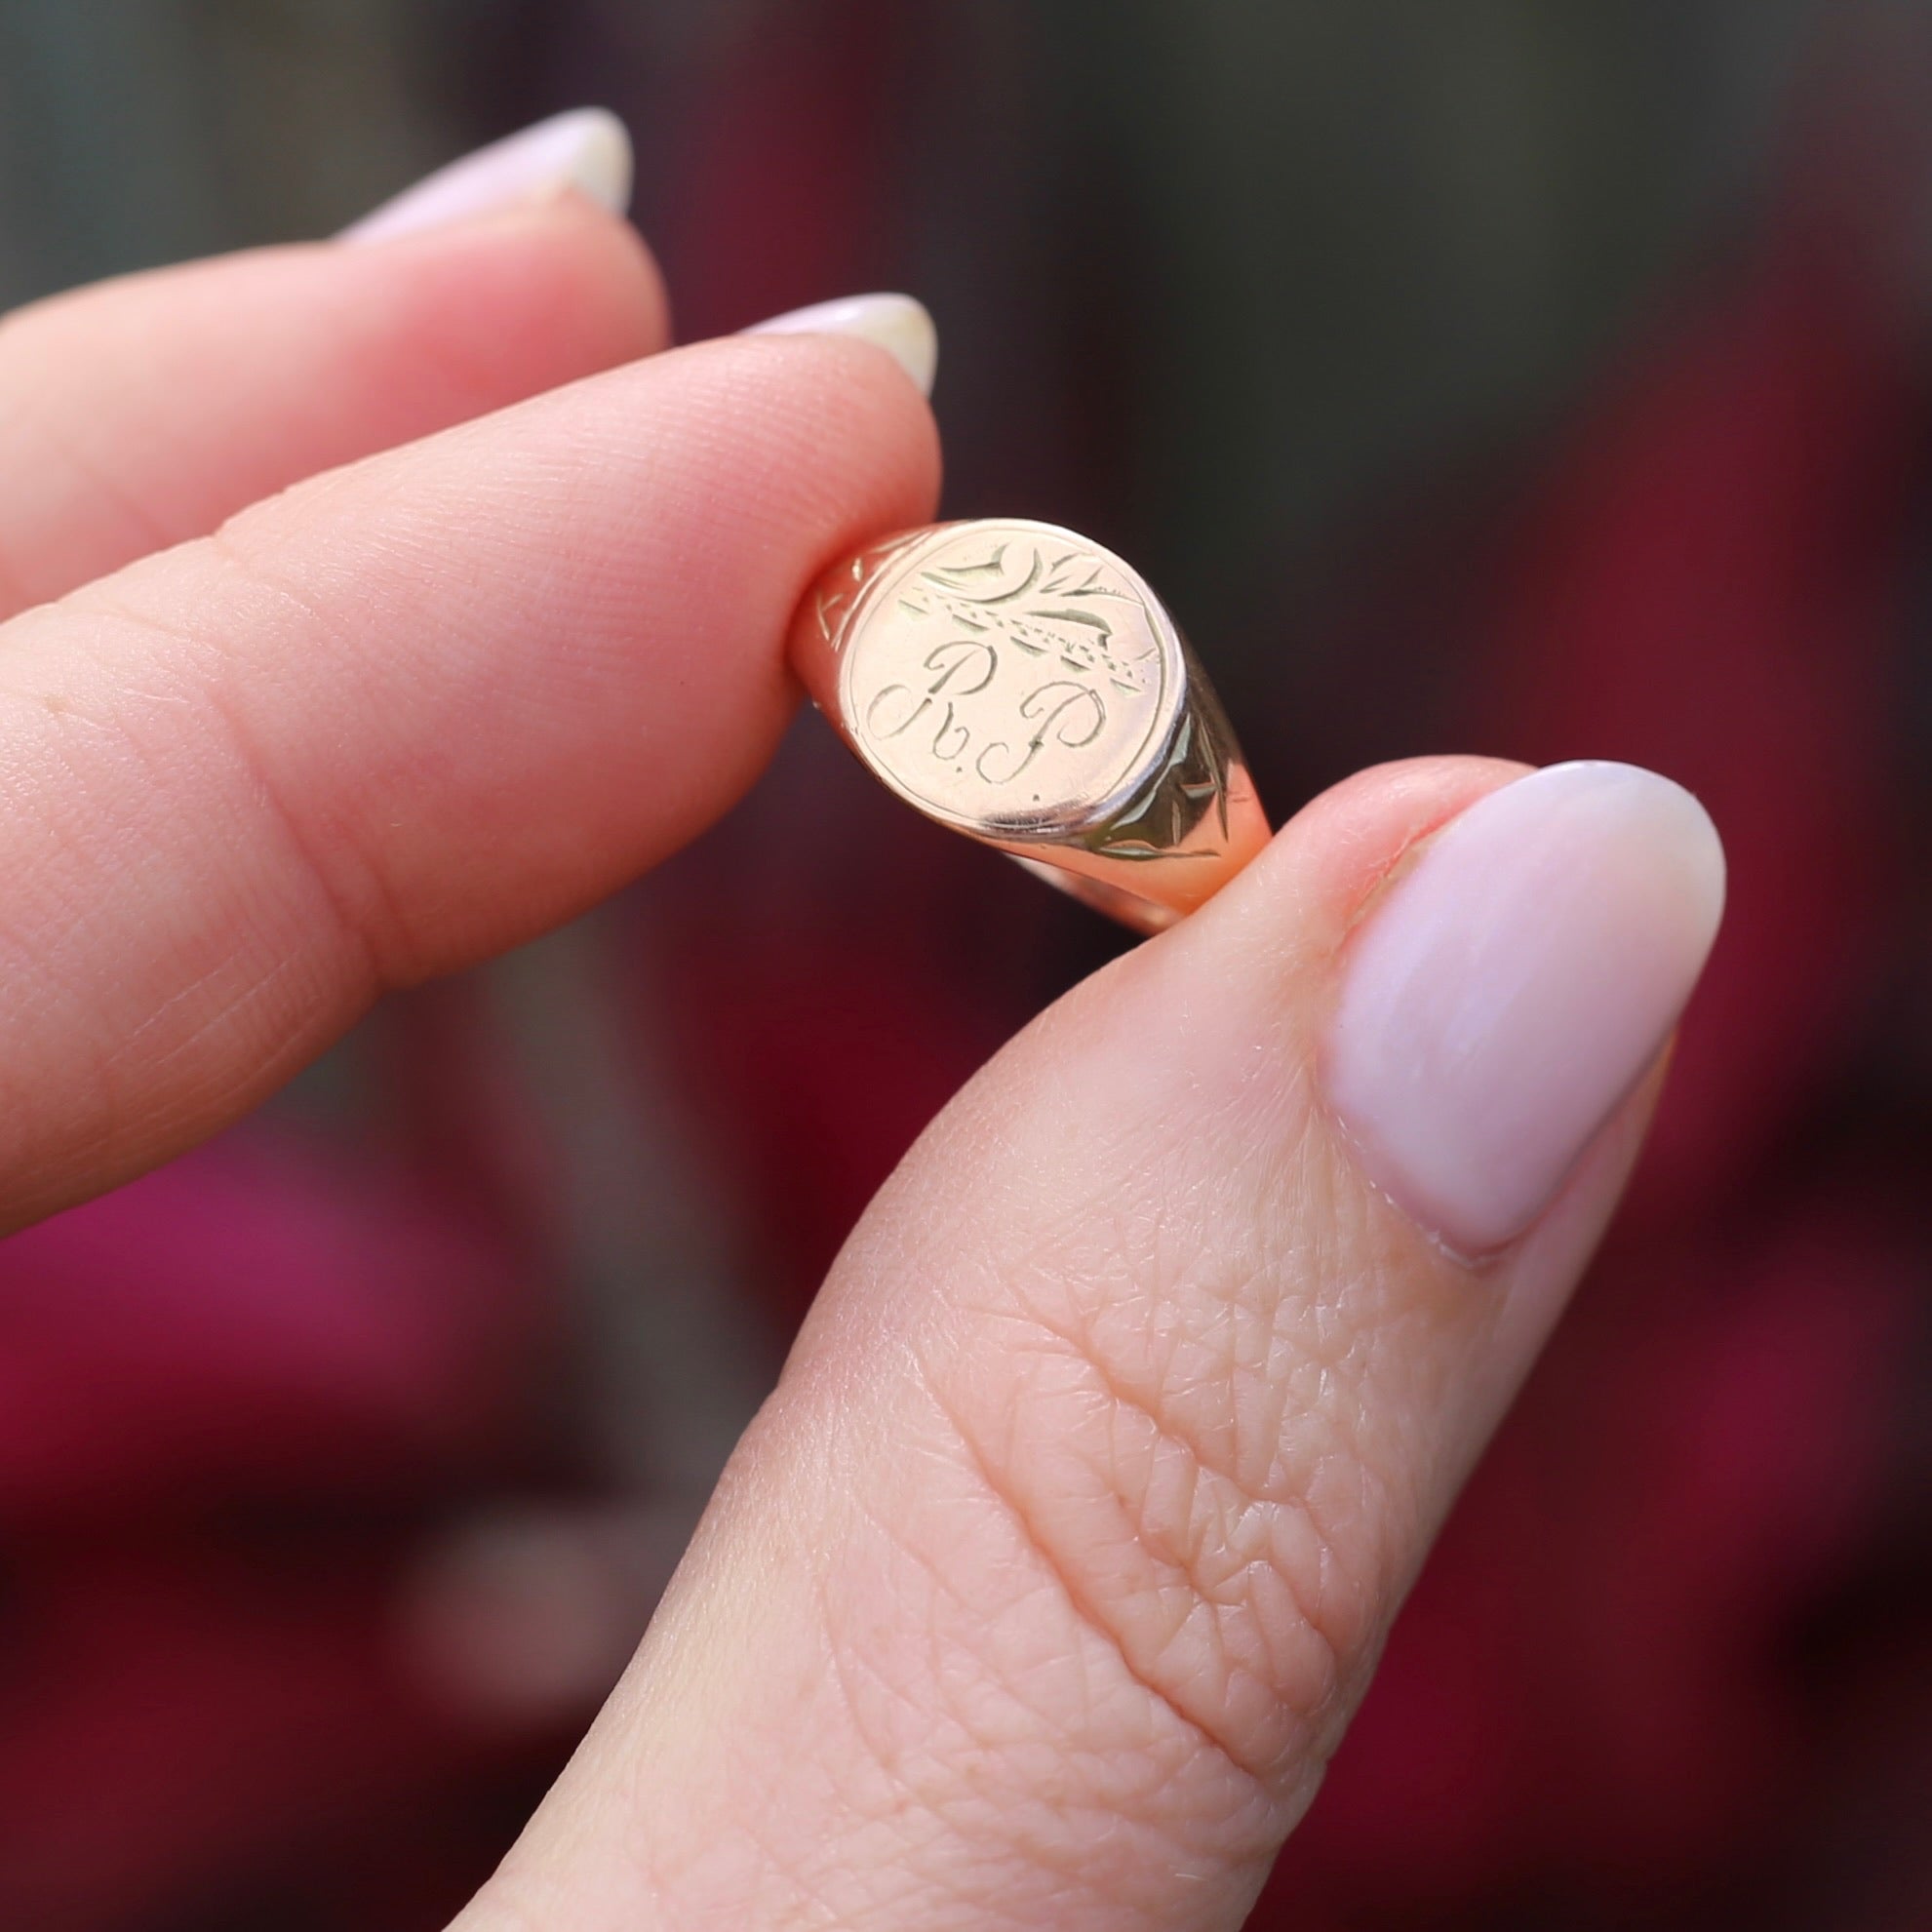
[[140, 412]]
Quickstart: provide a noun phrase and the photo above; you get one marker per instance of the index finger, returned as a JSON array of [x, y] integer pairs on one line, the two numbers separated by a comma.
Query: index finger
[[407, 714]]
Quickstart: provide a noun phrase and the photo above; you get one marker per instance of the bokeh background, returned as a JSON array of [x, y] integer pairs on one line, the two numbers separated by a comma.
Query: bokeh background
[[1543, 377]]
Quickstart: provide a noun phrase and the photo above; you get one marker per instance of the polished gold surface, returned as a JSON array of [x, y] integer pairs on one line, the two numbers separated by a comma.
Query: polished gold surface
[[1025, 686]]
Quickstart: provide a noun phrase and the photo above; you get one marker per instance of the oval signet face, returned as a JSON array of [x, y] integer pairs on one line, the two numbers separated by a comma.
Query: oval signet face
[[1009, 676]]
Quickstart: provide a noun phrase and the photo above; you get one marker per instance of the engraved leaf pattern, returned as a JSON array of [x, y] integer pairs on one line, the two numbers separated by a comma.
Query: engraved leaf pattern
[[1191, 781], [1050, 610]]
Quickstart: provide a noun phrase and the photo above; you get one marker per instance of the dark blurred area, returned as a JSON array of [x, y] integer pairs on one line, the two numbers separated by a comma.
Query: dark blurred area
[[1540, 377]]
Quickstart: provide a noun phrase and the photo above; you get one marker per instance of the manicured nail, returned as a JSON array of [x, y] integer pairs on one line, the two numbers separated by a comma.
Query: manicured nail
[[1514, 987], [897, 323], [588, 150]]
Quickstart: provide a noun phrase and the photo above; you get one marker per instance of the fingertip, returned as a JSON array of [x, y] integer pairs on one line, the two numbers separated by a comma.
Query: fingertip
[[898, 324], [511, 302], [880, 462], [604, 262], [164, 402], [1349, 842]]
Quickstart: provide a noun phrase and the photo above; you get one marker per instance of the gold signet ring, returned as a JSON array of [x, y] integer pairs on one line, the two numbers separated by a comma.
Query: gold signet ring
[[1023, 685]]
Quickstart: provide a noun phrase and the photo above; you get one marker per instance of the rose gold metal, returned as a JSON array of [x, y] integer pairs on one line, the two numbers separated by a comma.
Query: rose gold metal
[[1024, 686]]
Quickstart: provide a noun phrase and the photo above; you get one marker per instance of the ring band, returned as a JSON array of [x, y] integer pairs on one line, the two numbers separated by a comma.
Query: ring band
[[1025, 686]]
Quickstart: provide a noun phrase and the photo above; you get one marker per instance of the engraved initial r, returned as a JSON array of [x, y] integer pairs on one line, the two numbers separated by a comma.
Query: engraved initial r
[[940, 747], [895, 692]]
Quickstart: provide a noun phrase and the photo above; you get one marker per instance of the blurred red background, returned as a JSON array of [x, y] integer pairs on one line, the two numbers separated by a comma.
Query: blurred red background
[[1544, 382]]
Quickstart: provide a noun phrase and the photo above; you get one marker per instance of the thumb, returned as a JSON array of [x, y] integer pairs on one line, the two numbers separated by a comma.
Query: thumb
[[1042, 1589]]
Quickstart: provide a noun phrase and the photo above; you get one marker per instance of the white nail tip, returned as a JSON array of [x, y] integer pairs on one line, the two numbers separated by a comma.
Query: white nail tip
[[897, 323], [606, 165], [1515, 985], [588, 150]]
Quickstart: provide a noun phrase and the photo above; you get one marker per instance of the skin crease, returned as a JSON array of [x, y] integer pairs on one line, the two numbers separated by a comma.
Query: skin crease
[[1042, 1588], [1074, 1530]]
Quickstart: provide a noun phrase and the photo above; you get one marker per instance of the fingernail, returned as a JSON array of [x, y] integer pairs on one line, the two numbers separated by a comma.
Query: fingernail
[[1515, 985], [588, 150], [897, 323]]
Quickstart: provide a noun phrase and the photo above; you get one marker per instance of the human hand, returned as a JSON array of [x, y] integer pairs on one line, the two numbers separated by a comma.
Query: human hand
[[1046, 1584]]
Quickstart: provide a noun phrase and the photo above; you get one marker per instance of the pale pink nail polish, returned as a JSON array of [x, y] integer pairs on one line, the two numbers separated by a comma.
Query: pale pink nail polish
[[1515, 985], [895, 323], [588, 150]]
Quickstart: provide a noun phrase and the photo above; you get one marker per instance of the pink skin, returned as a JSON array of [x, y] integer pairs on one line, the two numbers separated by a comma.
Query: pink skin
[[322, 733], [144, 412], [1048, 1579], [1065, 1549]]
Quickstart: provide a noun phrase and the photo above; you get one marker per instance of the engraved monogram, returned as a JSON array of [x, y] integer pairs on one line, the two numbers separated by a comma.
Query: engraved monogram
[[1008, 674]]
